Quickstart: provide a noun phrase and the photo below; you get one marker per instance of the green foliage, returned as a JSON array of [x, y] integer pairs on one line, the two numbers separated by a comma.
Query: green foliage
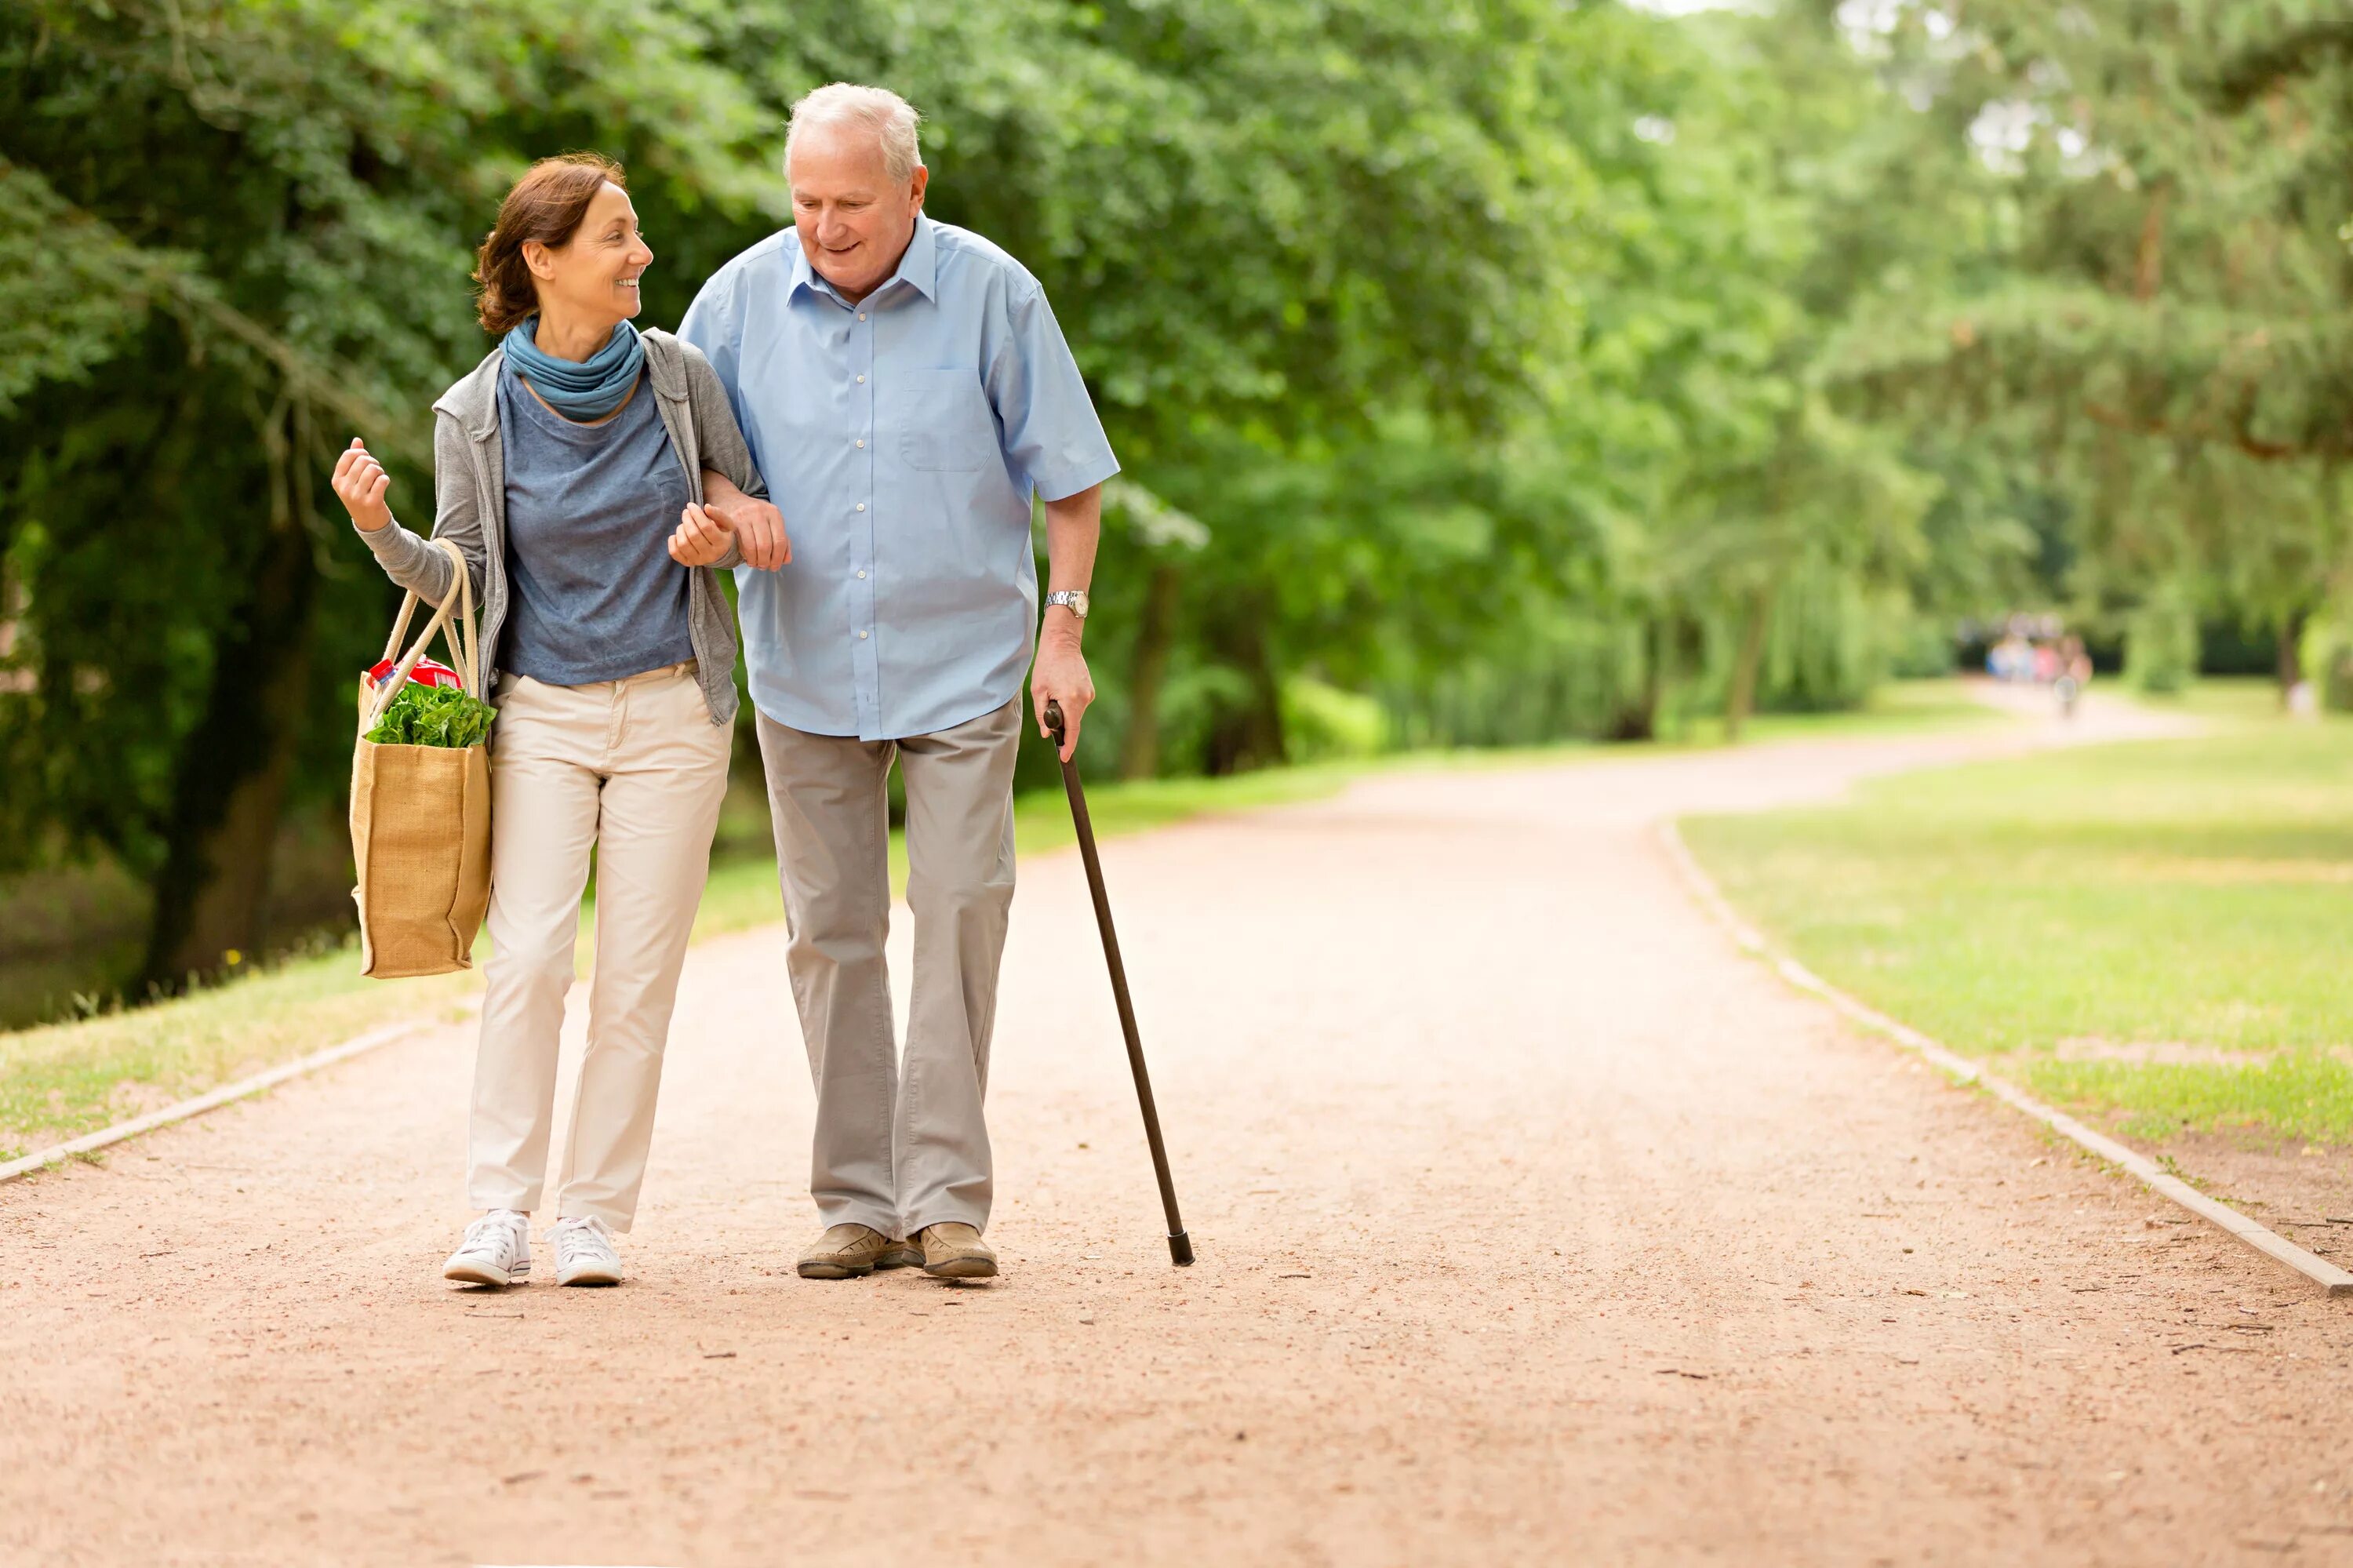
[[2161, 642], [419, 714], [2158, 320], [2327, 656], [1323, 723]]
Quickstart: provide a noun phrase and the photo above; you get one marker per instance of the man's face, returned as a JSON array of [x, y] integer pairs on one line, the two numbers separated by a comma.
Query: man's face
[[854, 222]]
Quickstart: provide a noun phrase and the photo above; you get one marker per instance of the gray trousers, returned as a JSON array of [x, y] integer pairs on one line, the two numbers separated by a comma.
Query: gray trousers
[[897, 1147]]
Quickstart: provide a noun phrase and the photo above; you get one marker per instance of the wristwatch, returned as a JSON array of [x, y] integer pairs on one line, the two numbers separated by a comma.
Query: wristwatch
[[1074, 598]]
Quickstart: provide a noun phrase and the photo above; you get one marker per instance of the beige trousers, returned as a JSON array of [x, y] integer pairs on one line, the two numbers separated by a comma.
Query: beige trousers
[[633, 770], [897, 1147]]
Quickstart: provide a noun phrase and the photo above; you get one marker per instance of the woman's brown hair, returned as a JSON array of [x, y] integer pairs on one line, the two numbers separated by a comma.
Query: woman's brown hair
[[546, 205]]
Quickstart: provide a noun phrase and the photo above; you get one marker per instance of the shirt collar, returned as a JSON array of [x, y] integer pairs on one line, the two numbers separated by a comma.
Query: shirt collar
[[919, 267]]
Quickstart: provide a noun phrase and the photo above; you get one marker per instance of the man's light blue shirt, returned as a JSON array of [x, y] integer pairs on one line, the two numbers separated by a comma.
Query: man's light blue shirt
[[902, 438]]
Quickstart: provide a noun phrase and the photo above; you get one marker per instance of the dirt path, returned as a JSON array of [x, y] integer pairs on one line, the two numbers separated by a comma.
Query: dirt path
[[1536, 1225]]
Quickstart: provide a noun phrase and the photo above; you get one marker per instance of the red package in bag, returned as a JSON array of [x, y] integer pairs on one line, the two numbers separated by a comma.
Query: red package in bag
[[428, 673]]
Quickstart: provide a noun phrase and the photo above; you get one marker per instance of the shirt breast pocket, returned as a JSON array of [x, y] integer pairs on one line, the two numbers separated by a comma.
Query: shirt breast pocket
[[949, 424]]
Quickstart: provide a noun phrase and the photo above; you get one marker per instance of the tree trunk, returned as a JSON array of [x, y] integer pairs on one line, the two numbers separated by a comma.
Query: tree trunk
[[1155, 634], [1642, 721], [1249, 734], [230, 783], [2289, 655], [2148, 263], [1741, 700]]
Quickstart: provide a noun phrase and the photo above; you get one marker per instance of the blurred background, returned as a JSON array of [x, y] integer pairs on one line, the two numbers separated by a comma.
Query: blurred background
[[1485, 374]]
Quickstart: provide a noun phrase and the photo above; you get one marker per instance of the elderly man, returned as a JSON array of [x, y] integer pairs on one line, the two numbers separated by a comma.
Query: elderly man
[[904, 390]]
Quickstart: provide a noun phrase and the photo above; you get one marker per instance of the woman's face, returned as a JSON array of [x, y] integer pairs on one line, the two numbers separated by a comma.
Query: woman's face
[[593, 277]]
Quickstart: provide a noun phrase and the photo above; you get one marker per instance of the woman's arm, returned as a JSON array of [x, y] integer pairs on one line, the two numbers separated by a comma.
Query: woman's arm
[[759, 528], [362, 486]]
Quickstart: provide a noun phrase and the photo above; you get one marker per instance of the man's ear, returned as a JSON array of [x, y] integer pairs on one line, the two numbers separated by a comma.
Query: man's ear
[[922, 178]]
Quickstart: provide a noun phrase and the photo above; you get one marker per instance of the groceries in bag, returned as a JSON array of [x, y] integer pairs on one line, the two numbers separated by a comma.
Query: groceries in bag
[[420, 715], [428, 673], [421, 798]]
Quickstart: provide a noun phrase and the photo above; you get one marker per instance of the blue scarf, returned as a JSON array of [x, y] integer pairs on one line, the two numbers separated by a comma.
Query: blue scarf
[[578, 389]]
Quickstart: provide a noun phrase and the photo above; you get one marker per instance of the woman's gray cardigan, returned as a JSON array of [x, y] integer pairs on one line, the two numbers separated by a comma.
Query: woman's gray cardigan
[[469, 496]]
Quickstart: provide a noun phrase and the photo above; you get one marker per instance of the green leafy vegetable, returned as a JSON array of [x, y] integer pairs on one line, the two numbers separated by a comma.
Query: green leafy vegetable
[[433, 716]]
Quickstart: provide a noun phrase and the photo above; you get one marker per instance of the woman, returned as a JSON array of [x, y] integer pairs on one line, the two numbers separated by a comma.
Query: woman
[[569, 470]]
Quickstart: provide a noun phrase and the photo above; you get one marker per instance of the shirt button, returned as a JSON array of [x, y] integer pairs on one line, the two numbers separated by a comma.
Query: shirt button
[[861, 577], [862, 315], [862, 446], [862, 381], [862, 637], [861, 506]]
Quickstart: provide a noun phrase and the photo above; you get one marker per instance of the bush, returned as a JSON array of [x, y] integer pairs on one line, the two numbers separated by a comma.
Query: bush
[[1321, 722], [1924, 650], [1570, 675], [2161, 642], [2327, 654]]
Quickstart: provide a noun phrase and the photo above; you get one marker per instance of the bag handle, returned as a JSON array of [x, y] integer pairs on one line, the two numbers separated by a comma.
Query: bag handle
[[409, 606], [468, 659], [465, 656]]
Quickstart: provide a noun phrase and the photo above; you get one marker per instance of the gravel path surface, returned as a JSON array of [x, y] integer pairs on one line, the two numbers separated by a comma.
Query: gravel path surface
[[1536, 1225]]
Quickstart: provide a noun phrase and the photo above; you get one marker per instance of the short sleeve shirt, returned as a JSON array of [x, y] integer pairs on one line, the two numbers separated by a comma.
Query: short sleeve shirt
[[903, 436]]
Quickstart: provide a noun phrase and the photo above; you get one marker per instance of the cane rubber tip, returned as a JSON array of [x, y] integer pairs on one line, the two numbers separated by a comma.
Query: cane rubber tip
[[1180, 1249]]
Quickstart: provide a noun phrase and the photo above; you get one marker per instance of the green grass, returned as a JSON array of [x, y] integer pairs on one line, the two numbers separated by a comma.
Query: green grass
[[2153, 932], [63, 1079], [58, 1080]]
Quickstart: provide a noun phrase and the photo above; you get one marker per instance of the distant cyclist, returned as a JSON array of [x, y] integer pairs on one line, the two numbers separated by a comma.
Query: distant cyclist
[[2075, 674]]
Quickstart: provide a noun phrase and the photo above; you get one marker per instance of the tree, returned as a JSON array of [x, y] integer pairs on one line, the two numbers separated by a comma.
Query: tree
[[1470, 355], [231, 208], [2171, 311]]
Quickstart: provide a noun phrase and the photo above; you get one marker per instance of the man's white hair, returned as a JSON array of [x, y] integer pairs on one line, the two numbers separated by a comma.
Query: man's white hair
[[890, 116]]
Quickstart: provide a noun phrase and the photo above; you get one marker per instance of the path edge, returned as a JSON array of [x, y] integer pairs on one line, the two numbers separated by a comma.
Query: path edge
[[2332, 1279], [42, 1159]]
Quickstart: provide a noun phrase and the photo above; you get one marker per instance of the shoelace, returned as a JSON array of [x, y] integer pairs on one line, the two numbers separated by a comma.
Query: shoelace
[[570, 1235], [491, 1237]]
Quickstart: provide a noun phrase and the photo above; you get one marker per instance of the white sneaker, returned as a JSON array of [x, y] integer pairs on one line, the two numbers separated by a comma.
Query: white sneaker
[[585, 1254], [496, 1250]]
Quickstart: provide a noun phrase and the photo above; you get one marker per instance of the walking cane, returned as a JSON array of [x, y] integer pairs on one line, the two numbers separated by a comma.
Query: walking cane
[[1180, 1245]]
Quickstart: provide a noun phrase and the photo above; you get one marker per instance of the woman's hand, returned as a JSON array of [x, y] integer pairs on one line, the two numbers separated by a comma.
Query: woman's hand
[[702, 536], [361, 484]]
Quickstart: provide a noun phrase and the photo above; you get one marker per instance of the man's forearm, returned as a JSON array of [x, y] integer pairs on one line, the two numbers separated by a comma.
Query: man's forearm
[[761, 541], [1074, 530]]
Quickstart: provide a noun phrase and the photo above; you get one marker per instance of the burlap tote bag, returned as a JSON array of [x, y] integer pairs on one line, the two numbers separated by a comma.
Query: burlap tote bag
[[421, 815]]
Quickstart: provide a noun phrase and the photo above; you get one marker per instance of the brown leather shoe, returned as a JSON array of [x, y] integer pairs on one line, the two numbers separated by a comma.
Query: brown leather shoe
[[952, 1250], [848, 1252]]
